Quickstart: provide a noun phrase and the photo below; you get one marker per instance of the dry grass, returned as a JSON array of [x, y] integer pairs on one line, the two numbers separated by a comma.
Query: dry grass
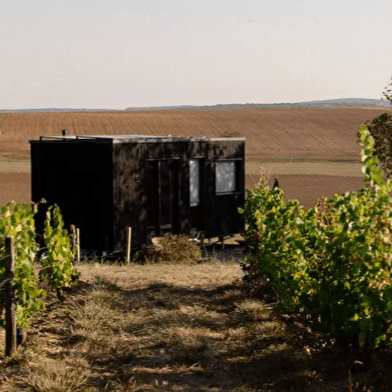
[[55, 376], [175, 248], [306, 168], [10, 166], [175, 328], [276, 167]]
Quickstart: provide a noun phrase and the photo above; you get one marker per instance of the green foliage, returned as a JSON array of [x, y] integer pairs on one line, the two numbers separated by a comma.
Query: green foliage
[[333, 261], [381, 130], [57, 267], [18, 221]]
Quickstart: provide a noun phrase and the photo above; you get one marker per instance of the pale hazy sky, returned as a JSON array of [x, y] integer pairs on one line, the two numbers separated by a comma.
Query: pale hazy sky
[[116, 54]]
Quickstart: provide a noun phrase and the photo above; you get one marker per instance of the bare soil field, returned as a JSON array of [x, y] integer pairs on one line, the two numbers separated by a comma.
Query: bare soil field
[[15, 186], [318, 133], [313, 152], [308, 188]]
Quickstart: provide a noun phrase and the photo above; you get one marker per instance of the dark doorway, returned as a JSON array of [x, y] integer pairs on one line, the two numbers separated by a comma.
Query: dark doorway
[[162, 197]]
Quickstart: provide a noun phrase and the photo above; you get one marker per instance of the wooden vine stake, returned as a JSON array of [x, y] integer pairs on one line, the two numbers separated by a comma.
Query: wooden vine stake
[[73, 240], [77, 246], [129, 242], [10, 302], [222, 240]]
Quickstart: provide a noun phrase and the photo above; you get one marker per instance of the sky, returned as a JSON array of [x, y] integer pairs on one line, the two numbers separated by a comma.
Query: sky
[[115, 54]]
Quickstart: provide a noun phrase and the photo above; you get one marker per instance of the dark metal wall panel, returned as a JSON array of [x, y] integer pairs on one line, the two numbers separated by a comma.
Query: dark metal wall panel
[[222, 210], [129, 192], [136, 186], [169, 162], [77, 177], [37, 171]]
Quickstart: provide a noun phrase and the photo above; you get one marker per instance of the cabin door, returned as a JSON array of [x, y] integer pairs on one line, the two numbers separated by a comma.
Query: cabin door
[[162, 198]]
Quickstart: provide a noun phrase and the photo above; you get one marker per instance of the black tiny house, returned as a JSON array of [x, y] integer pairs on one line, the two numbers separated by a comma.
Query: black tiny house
[[154, 184]]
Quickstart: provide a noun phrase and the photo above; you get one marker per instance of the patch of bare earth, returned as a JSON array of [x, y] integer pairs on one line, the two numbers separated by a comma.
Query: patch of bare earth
[[15, 186], [308, 188], [177, 328]]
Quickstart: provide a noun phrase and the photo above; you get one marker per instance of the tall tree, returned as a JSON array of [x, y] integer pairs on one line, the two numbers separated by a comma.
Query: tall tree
[[388, 92], [381, 130]]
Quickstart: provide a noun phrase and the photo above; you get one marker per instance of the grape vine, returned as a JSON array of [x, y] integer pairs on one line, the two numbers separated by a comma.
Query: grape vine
[[57, 267], [18, 221], [332, 261]]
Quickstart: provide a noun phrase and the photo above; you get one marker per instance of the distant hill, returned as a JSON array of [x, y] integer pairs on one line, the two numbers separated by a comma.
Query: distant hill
[[331, 103], [55, 110]]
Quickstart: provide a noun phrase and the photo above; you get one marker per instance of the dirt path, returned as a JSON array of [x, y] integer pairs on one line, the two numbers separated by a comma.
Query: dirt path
[[174, 328]]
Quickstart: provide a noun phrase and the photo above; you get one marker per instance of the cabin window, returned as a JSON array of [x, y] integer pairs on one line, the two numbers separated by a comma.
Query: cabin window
[[194, 182], [225, 177]]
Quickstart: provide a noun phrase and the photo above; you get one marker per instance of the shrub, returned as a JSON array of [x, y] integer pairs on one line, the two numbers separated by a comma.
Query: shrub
[[172, 248], [231, 134]]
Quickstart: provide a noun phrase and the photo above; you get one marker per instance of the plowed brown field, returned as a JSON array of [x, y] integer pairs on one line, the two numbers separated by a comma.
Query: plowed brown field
[[317, 133], [321, 134]]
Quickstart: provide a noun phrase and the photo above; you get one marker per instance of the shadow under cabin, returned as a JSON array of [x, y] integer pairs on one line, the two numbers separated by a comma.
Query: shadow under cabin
[[153, 184]]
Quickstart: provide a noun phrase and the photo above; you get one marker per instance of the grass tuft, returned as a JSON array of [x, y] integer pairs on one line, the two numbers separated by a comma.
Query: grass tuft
[[56, 376]]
